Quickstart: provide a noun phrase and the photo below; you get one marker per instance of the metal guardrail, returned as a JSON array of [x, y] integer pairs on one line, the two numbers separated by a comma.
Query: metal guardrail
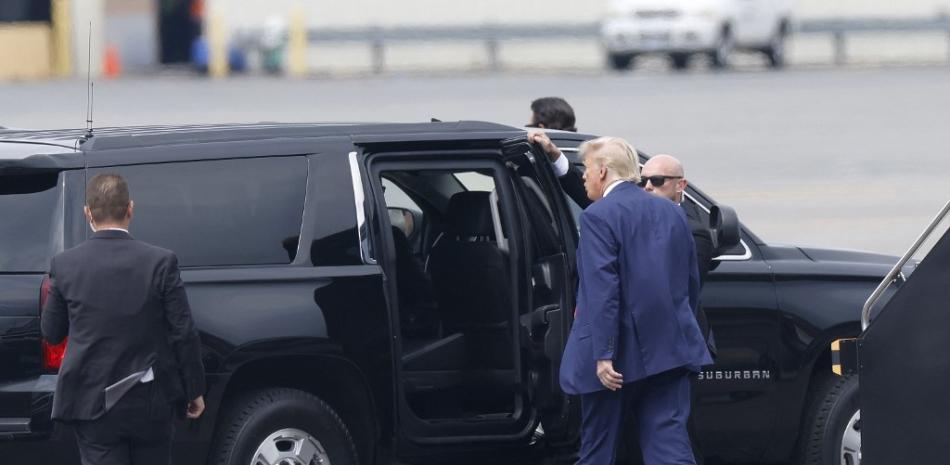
[[492, 35], [838, 29], [939, 23], [896, 270]]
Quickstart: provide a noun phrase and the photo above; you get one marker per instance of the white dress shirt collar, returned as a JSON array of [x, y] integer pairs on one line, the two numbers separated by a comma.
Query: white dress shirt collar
[[113, 229], [611, 186]]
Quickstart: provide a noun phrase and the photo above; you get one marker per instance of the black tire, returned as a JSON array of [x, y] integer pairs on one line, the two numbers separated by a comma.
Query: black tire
[[620, 61], [834, 402], [250, 420], [680, 61], [775, 52], [719, 56]]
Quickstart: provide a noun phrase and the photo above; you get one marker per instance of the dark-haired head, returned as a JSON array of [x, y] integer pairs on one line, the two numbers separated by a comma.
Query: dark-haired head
[[107, 200], [552, 113]]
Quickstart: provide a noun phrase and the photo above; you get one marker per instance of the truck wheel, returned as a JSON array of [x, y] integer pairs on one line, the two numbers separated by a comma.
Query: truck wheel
[[680, 61], [831, 433], [620, 61], [282, 427]]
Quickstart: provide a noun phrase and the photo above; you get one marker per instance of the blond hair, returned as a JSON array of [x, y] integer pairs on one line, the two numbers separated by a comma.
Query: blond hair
[[615, 153]]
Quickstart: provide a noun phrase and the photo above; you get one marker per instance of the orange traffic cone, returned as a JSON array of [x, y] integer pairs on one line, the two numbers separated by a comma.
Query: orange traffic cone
[[112, 66]]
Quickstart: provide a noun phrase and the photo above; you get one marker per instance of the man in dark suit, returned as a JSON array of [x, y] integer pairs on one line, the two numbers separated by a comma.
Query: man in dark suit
[[635, 338], [133, 355], [663, 175]]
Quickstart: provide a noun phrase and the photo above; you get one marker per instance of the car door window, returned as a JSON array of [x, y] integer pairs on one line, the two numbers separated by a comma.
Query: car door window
[[404, 213], [221, 212], [475, 181], [34, 201]]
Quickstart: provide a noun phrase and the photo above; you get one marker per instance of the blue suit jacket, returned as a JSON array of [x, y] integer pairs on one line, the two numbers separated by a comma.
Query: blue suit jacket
[[639, 284]]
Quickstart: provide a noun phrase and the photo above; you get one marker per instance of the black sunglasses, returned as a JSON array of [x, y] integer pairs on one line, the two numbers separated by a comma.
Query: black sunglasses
[[657, 180]]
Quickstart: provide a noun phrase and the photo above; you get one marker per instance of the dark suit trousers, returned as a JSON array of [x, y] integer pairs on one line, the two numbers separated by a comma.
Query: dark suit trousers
[[136, 431], [660, 405]]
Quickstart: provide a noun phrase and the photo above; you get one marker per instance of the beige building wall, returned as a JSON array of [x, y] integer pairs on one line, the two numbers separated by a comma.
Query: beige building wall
[[25, 48]]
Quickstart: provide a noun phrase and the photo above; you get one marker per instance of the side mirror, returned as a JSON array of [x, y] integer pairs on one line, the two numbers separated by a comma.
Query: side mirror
[[724, 226], [402, 218]]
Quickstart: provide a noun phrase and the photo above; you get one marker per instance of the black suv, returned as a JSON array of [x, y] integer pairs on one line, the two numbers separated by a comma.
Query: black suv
[[377, 292]]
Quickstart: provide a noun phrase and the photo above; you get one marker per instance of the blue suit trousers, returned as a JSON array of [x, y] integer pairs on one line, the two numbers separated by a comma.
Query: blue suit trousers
[[660, 404]]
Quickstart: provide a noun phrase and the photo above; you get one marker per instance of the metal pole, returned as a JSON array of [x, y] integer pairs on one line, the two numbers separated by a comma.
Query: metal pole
[[62, 41], [297, 44], [379, 56], [895, 271], [840, 48], [492, 47], [218, 66]]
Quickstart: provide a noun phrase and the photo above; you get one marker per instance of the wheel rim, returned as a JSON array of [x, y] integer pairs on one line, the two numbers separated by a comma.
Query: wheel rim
[[290, 447], [851, 441], [778, 47]]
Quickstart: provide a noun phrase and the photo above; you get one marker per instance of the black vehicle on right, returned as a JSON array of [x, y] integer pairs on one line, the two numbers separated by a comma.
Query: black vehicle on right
[[771, 395]]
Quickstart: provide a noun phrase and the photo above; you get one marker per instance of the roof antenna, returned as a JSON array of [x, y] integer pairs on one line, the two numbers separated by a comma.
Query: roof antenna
[[89, 90]]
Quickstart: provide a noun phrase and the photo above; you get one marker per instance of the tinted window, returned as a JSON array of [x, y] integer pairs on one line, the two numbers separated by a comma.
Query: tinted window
[[30, 212], [396, 197], [476, 181], [223, 212]]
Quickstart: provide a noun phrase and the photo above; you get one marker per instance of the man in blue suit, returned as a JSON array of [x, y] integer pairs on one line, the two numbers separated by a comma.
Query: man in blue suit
[[635, 338]]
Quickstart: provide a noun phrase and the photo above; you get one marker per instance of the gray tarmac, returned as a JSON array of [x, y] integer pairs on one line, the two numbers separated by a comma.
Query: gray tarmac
[[848, 158]]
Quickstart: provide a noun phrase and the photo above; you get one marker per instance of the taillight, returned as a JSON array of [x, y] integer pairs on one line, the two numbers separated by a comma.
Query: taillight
[[52, 354]]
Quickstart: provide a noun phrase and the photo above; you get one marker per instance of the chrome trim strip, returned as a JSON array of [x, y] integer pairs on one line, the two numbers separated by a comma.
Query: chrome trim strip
[[725, 258], [896, 270], [359, 199], [14, 425]]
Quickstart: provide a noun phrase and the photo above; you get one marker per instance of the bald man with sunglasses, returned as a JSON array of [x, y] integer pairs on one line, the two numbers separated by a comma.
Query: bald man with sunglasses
[[663, 175]]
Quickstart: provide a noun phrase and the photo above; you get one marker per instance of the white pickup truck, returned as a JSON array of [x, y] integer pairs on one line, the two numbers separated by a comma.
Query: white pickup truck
[[684, 28]]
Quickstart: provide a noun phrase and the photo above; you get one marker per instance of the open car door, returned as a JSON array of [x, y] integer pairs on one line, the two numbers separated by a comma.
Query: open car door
[[549, 296]]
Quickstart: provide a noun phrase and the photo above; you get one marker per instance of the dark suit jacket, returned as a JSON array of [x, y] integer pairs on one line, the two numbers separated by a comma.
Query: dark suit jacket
[[638, 287], [573, 184], [704, 262], [123, 305]]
